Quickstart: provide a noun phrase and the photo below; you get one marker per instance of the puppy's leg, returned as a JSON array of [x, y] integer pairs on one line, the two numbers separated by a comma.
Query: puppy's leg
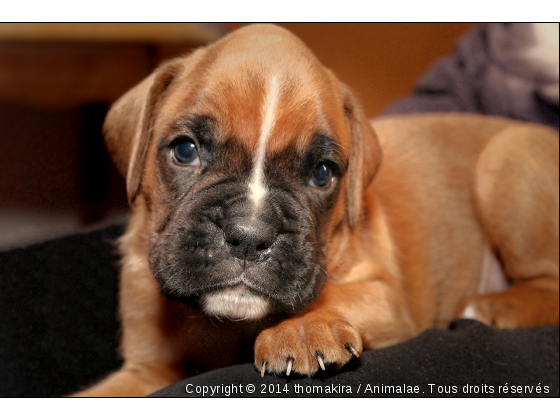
[[130, 381], [516, 192], [152, 327], [345, 319]]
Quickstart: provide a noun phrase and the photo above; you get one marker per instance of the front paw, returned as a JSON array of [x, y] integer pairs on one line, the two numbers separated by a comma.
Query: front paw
[[306, 343]]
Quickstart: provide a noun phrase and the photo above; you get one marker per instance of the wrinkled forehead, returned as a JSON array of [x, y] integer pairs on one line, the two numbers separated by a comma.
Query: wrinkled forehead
[[270, 95], [275, 106]]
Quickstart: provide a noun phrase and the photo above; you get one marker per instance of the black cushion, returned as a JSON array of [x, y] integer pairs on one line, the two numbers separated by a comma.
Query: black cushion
[[58, 322], [470, 359]]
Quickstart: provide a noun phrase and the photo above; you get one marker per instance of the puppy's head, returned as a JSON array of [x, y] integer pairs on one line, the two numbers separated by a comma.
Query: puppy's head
[[247, 154]]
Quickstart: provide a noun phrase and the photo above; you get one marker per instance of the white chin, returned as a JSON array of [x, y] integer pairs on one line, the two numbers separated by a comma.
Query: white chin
[[236, 302]]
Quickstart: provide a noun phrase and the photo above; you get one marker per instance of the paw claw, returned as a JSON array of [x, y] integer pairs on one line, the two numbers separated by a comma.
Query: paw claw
[[320, 360], [352, 350], [289, 368], [263, 368]]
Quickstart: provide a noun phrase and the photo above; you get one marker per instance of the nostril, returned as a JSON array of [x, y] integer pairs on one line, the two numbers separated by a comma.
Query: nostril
[[267, 239], [262, 247]]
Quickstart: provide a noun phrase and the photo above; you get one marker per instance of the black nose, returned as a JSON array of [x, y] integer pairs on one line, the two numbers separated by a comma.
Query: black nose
[[248, 238]]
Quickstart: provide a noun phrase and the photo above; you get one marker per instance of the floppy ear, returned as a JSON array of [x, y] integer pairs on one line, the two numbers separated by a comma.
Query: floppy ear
[[364, 155], [127, 127]]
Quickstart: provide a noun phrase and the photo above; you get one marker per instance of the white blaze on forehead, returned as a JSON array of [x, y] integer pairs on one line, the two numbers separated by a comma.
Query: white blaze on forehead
[[257, 186]]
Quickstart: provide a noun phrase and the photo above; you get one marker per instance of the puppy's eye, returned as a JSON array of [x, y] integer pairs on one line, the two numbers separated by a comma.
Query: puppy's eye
[[185, 153], [322, 176]]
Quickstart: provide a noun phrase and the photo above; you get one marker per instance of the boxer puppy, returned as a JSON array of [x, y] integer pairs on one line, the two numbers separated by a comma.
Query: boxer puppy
[[266, 224]]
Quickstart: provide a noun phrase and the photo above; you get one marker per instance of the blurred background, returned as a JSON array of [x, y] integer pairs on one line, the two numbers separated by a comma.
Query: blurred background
[[58, 80]]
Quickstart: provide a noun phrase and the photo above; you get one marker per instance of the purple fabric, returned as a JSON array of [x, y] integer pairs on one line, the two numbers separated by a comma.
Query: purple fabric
[[494, 70]]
